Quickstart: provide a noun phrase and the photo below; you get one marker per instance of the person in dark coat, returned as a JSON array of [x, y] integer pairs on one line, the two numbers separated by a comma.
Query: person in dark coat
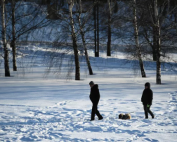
[[146, 99], [94, 97]]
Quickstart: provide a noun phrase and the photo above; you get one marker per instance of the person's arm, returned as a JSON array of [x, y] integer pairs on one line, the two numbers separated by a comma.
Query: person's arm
[[92, 95], [151, 97], [142, 96]]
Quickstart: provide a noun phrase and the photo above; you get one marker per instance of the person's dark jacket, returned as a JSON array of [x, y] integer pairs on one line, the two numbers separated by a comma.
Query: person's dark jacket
[[147, 97], [94, 94]]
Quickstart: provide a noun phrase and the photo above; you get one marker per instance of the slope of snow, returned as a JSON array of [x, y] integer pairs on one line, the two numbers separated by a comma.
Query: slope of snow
[[34, 108]]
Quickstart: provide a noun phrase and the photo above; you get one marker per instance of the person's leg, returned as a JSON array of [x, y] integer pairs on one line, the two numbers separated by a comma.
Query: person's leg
[[99, 115], [150, 112], [145, 111], [94, 108], [97, 112]]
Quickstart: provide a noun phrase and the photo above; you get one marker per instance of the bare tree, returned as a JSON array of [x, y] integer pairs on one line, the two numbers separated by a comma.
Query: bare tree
[[25, 25], [6, 54], [83, 39], [158, 30], [157, 42], [138, 50], [109, 29], [13, 43], [96, 27], [75, 47]]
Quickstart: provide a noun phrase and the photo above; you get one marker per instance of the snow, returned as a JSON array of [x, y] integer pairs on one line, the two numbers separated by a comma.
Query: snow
[[35, 108]]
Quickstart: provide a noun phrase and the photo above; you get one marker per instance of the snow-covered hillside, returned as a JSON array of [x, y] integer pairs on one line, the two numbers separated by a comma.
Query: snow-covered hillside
[[34, 108]]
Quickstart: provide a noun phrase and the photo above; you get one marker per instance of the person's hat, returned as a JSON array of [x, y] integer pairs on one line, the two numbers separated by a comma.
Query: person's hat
[[147, 84], [91, 83]]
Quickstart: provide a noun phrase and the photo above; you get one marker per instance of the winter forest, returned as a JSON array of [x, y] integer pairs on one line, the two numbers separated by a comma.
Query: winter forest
[[88, 70]]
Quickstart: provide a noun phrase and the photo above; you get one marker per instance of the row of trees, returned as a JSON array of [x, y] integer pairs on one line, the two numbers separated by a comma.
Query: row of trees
[[148, 23], [18, 20], [156, 17]]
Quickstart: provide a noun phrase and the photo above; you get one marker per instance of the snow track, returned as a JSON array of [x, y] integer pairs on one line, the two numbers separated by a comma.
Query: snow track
[[61, 122]]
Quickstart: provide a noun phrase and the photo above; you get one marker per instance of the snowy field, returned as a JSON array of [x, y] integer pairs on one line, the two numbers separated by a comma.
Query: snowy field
[[34, 108]]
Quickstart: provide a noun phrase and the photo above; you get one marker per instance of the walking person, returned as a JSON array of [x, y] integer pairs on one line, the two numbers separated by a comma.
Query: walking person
[[94, 97], [146, 99]]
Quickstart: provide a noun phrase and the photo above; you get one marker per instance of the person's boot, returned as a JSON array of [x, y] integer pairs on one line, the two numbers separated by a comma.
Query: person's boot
[[100, 118]]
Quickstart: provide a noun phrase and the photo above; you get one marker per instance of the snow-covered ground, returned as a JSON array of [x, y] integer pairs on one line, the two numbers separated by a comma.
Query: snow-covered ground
[[34, 108]]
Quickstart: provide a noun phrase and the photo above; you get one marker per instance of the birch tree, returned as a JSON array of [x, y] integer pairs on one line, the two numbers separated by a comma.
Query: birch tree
[[157, 43], [25, 24], [138, 50], [75, 47], [83, 39], [6, 54]]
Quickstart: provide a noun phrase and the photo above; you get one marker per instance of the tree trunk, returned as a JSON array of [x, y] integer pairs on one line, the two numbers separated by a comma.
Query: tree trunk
[[76, 54], [6, 54], [153, 47], [137, 42], [95, 29], [83, 40], [13, 42], [98, 39], [109, 30], [157, 43]]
